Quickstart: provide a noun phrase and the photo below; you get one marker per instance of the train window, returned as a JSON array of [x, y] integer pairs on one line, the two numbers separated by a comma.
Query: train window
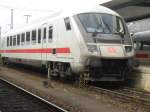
[[33, 36], [27, 37], [67, 23], [10, 41], [7, 41], [39, 35], [50, 34], [22, 38], [44, 35], [142, 46], [14, 40], [18, 39], [2, 43]]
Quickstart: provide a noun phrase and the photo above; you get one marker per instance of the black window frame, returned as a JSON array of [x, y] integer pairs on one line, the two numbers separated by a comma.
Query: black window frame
[[28, 37], [39, 35], [44, 34], [18, 39], [67, 23], [14, 40], [7, 41], [10, 41], [50, 33], [33, 33], [22, 38]]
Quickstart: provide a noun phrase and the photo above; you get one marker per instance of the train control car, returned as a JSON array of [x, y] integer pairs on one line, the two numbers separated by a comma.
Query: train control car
[[92, 40], [142, 47]]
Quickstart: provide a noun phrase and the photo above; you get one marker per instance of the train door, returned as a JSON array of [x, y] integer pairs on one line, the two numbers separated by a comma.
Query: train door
[[51, 43], [44, 43]]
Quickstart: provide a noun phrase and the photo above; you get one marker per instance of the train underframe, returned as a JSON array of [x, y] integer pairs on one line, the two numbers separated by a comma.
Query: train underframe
[[95, 70], [109, 69]]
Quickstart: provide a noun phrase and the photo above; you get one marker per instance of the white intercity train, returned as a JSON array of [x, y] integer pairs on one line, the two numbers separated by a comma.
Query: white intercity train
[[91, 40]]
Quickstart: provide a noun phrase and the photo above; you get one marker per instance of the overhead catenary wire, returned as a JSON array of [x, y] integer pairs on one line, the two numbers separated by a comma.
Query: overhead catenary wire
[[27, 18]]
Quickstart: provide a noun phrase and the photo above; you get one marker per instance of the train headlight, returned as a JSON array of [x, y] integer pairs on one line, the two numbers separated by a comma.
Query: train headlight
[[92, 48], [128, 48]]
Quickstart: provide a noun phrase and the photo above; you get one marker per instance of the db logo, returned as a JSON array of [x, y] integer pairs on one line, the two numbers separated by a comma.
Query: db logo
[[111, 50]]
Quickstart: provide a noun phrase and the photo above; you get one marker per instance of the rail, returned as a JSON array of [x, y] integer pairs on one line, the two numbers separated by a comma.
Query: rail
[[55, 107], [133, 95]]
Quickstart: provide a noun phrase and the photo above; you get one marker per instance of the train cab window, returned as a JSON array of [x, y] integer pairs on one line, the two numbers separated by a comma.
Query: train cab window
[[39, 35], [50, 33], [67, 23], [142, 46], [10, 41], [22, 38], [44, 35], [14, 40], [18, 39], [7, 41], [27, 38], [33, 36]]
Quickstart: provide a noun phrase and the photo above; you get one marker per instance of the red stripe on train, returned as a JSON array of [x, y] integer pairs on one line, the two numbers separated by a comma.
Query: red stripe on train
[[62, 50], [45, 50], [142, 55]]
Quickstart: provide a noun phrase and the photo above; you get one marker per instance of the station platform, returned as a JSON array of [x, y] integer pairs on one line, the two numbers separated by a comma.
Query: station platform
[[140, 78], [144, 69]]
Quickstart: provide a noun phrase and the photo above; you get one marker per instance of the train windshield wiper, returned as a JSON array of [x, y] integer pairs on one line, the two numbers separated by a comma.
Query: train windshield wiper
[[114, 29], [97, 30]]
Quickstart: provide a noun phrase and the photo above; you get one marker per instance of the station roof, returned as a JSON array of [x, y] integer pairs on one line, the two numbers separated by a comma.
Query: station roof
[[131, 10]]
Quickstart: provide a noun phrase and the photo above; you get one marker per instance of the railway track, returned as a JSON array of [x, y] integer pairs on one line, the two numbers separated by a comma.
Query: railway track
[[127, 94], [16, 99], [124, 94]]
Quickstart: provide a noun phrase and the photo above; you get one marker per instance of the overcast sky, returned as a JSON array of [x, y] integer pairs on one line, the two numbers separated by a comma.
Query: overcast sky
[[36, 8]]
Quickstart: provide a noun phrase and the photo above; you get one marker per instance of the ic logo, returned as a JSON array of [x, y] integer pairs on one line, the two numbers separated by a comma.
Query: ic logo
[[111, 50]]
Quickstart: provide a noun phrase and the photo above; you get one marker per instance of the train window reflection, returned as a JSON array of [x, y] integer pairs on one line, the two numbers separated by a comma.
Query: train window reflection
[[102, 23]]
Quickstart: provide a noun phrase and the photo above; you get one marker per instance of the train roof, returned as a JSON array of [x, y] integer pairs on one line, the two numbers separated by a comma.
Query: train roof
[[65, 12], [142, 36]]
